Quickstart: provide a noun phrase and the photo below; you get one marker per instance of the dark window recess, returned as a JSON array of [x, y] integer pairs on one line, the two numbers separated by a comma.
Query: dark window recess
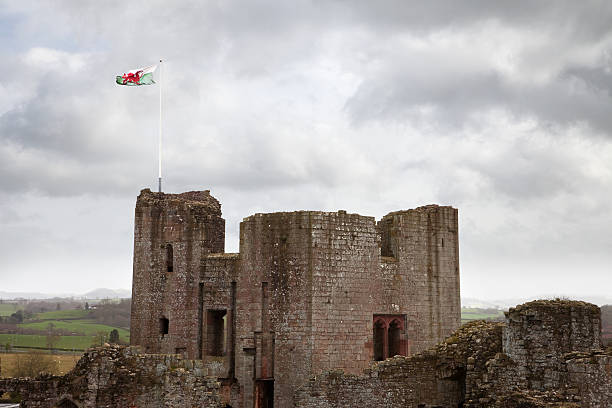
[[215, 333], [379, 339], [164, 324], [169, 258], [394, 338]]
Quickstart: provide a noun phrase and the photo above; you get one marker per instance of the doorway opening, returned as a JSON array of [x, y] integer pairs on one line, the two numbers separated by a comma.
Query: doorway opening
[[264, 393]]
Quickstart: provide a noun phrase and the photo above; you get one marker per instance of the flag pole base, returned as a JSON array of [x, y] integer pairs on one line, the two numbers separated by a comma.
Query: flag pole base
[[159, 185]]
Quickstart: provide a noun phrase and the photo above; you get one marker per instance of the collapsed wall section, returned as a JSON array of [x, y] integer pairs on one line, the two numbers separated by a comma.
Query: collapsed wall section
[[550, 355], [172, 232], [539, 333], [121, 377]]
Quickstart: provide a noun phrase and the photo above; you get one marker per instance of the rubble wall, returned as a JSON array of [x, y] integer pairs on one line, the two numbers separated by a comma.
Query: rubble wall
[[538, 339], [114, 376], [590, 378], [539, 333]]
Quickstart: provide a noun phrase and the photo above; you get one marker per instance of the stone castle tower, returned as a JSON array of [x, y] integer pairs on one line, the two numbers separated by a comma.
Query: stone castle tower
[[309, 291]]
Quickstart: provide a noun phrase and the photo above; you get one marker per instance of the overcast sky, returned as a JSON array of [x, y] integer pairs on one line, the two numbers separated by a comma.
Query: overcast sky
[[501, 109]]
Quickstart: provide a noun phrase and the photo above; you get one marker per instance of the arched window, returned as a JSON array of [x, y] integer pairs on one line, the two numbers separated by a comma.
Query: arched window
[[169, 258], [387, 337]]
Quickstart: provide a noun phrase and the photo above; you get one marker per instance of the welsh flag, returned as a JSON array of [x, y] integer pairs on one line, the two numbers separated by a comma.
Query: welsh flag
[[141, 76]]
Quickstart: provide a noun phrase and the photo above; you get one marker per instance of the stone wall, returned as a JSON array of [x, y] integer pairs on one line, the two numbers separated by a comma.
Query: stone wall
[[424, 242], [172, 232], [547, 356], [310, 283], [539, 333], [300, 298], [539, 338], [218, 291], [274, 306], [590, 375], [112, 377], [434, 378]]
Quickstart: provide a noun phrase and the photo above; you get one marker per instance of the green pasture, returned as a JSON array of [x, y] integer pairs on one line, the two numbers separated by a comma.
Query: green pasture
[[469, 314], [83, 327], [34, 340], [62, 314], [7, 309]]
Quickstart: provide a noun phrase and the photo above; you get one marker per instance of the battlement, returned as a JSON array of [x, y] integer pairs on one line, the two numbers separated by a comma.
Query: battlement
[[198, 199]]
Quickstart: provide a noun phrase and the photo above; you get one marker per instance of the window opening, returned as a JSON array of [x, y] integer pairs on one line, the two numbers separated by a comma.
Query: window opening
[[387, 336], [264, 394], [169, 258], [379, 338], [164, 325], [215, 322]]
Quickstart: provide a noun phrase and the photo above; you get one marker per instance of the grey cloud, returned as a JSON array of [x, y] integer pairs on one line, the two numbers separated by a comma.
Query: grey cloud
[[398, 95], [312, 105]]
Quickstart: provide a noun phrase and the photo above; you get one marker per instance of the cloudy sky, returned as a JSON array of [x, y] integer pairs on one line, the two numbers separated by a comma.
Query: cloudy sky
[[502, 109]]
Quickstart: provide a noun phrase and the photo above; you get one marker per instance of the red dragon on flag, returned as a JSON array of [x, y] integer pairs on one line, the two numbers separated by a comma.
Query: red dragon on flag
[[141, 76]]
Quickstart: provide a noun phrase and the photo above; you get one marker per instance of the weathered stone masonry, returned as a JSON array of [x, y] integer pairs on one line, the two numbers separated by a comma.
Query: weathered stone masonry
[[120, 377], [546, 355], [309, 291]]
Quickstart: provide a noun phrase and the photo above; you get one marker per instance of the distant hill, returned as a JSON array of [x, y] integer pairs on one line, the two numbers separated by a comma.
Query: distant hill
[[504, 304], [100, 293], [103, 293]]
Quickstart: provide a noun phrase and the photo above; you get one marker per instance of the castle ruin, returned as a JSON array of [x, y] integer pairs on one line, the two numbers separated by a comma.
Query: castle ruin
[[309, 291], [322, 310]]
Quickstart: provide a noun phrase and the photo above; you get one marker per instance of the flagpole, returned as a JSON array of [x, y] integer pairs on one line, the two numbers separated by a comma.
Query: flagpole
[[160, 127]]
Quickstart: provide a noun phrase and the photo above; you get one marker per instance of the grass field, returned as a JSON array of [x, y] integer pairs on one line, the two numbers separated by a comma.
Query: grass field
[[62, 314], [83, 330], [7, 309], [63, 363], [35, 340], [84, 327], [469, 314]]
